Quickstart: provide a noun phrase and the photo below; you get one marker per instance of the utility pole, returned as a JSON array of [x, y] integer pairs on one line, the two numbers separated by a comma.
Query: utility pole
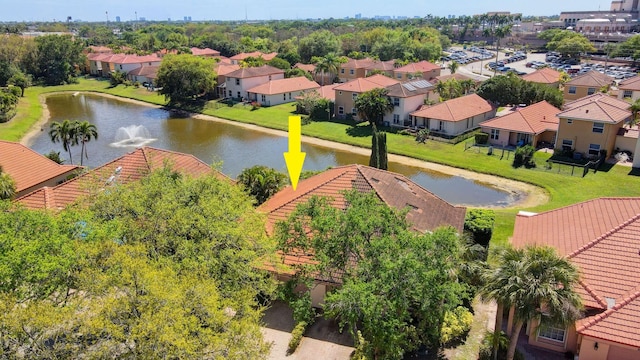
[[107, 13]]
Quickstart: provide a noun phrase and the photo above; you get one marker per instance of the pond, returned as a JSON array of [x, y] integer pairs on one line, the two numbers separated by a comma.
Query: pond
[[235, 147]]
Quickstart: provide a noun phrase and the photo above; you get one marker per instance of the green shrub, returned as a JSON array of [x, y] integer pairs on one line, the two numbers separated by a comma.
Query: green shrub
[[456, 325], [479, 224], [482, 138], [296, 336], [404, 132], [524, 156]]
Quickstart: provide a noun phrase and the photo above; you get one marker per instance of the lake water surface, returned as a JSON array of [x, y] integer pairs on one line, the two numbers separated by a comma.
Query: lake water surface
[[236, 147]]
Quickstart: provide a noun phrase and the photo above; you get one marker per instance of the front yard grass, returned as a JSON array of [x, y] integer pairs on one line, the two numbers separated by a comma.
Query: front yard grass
[[563, 189]]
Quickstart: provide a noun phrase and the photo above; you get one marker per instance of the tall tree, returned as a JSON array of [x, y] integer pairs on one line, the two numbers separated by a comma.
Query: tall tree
[[373, 105], [20, 80], [453, 66], [378, 157], [262, 182], [66, 133], [57, 58], [185, 77], [318, 43], [329, 63], [538, 284], [85, 132], [7, 186], [396, 284]]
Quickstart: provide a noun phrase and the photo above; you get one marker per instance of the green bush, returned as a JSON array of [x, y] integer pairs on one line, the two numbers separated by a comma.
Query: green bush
[[524, 156], [404, 132], [482, 138], [456, 325], [479, 224], [296, 336]]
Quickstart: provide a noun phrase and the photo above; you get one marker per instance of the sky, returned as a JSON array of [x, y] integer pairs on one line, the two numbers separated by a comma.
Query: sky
[[93, 10]]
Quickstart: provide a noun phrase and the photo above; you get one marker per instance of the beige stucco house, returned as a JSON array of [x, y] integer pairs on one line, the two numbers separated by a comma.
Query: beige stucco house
[[629, 89], [586, 84], [281, 91], [407, 97], [591, 124], [423, 69], [346, 93], [238, 82], [454, 117]]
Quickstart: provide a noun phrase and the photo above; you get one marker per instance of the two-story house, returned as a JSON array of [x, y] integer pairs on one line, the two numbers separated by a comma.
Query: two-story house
[[281, 91], [591, 124], [423, 69], [545, 76], [406, 98], [239, 81], [629, 89], [381, 67], [347, 93], [206, 52], [454, 117], [354, 69], [126, 63], [222, 70], [586, 84]]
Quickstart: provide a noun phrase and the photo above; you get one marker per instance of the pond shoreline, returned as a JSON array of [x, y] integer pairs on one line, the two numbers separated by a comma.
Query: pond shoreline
[[528, 195]]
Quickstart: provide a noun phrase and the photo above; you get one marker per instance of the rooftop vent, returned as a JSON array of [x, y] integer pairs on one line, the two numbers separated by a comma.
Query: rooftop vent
[[610, 302]]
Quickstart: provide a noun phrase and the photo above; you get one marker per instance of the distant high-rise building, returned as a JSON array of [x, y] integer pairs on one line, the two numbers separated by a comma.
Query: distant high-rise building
[[358, 16], [622, 16], [142, 18], [117, 18], [187, 18]]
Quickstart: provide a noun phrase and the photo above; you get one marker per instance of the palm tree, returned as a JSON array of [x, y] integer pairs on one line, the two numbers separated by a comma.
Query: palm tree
[[538, 284], [262, 182], [329, 63], [85, 132], [453, 66], [497, 33], [64, 132], [373, 105], [467, 85], [7, 186]]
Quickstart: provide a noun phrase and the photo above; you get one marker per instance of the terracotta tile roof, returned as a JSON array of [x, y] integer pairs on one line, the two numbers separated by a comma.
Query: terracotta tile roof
[[545, 75], [357, 63], [427, 210], [223, 60], [280, 86], [133, 166], [592, 79], [204, 52], [597, 107], [457, 109], [618, 324], [27, 167], [149, 71], [388, 65], [410, 88], [533, 119], [630, 84], [255, 54], [224, 69], [361, 85], [306, 67], [328, 91], [99, 49], [422, 66], [263, 70], [629, 132]]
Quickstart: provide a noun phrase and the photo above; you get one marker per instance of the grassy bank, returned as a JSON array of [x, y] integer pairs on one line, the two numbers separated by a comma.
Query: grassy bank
[[563, 188]]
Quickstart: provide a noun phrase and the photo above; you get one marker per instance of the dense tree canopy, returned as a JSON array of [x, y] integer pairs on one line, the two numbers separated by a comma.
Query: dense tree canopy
[[396, 284], [319, 43], [57, 58], [629, 48], [566, 42], [511, 90], [184, 77]]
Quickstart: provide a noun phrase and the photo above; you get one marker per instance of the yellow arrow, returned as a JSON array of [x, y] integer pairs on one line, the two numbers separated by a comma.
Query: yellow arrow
[[294, 157]]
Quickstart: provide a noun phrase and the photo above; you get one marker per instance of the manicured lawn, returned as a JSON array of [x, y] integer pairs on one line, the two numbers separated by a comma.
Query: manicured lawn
[[563, 188]]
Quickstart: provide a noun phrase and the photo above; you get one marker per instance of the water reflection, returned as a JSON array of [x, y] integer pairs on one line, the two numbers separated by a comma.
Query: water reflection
[[236, 147]]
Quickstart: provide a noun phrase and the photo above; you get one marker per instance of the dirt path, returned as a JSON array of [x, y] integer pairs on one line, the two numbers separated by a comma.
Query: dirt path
[[531, 195]]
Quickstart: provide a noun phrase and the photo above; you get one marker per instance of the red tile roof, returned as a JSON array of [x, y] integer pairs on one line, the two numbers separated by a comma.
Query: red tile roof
[[422, 66], [545, 75], [597, 107], [602, 238], [410, 88], [632, 84], [123, 58], [249, 72], [533, 119], [388, 65], [306, 67], [204, 52], [149, 71], [132, 167], [224, 69], [255, 54], [591, 78], [357, 63], [28, 168], [457, 109], [280, 86], [328, 92], [361, 85]]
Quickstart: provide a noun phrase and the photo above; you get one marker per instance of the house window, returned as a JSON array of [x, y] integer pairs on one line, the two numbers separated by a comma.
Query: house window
[[120, 67], [264, 98], [396, 101], [238, 82], [354, 112], [230, 93], [396, 118], [495, 134], [284, 96], [340, 110], [594, 149], [239, 96], [354, 96], [341, 71], [339, 92], [351, 71], [399, 76], [567, 145], [289, 96], [572, 89], [598, 128], [627, 93], [441, 126], [552, 333], [591, 91], [569, 121]]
